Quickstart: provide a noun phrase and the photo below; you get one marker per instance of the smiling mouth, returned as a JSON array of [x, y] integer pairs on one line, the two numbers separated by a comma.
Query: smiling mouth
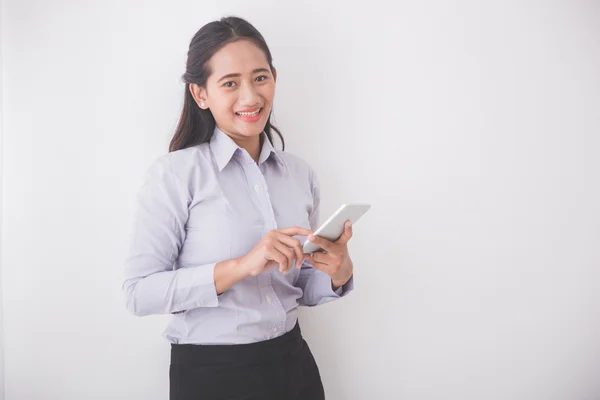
[[249, 114]]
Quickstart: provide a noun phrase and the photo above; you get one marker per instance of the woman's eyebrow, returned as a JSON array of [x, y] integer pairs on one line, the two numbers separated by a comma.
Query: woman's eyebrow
[[236, 75]]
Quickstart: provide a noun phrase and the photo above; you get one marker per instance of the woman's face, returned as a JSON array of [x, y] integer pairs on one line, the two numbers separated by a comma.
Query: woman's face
[[239, 91]]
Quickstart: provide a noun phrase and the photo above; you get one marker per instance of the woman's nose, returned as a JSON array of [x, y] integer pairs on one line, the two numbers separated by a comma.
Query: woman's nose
[[248, 95]]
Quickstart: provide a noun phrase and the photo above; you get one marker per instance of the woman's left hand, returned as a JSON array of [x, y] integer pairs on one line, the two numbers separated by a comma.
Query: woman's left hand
[[334, 259]]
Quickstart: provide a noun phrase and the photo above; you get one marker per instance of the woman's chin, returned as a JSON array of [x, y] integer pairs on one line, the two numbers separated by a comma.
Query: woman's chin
[[250, 131]]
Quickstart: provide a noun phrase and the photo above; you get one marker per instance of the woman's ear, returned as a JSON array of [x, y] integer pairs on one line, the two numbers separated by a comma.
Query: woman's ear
[[274, 72], [199, 95]]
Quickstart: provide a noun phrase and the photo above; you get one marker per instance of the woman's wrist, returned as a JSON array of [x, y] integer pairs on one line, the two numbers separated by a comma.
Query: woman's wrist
[[228, 273], [343, 275], [335, 285]]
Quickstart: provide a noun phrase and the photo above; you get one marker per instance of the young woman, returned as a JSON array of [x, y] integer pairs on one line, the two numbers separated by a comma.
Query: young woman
[[218, 233]]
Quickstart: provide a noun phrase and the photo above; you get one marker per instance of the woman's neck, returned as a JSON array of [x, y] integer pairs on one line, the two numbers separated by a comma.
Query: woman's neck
[[252, 145]]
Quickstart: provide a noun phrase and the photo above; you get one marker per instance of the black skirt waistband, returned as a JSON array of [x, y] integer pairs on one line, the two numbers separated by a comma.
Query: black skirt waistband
[[199, 354]]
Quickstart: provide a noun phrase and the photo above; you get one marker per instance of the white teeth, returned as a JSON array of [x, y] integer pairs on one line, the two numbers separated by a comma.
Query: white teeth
[[247, 114]]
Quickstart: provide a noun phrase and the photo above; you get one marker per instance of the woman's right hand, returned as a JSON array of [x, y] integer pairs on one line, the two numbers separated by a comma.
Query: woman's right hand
[[277, 247]]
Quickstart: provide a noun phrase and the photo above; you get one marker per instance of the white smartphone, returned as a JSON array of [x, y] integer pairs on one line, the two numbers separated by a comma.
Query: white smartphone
[[333, 228]]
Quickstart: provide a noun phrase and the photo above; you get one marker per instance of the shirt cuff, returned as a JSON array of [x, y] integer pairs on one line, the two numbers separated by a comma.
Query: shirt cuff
[[346, 287], [325, 286], [197, 287]]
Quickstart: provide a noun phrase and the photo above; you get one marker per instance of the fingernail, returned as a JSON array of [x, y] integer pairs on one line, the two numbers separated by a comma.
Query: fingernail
[[311, 237]]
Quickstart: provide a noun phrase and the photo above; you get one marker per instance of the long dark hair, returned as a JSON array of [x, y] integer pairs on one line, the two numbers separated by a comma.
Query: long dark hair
[[195, 124]]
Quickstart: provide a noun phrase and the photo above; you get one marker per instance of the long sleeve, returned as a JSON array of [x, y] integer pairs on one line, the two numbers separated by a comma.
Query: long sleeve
[[151, 285], [316, 284]]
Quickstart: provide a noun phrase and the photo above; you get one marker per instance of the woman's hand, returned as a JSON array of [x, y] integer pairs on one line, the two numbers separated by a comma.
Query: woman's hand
[[334, 260], [277, 247]]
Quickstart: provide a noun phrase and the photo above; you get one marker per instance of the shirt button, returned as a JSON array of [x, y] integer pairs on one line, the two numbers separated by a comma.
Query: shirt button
[[274, 328], [257, 188], [269, 299]]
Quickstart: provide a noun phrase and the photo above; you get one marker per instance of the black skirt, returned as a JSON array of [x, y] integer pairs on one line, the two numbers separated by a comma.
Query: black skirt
[[279, 369]]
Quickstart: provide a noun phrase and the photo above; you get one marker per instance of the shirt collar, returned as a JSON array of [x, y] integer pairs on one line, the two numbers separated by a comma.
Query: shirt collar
[[268, 150], [224, 148]]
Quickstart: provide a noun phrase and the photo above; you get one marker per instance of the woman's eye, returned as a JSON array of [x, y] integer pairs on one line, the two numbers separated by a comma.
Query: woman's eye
[[261, 78], [229, 84]]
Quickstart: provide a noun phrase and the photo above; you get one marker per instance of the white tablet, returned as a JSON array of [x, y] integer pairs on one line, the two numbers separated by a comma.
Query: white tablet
[[333, 228]]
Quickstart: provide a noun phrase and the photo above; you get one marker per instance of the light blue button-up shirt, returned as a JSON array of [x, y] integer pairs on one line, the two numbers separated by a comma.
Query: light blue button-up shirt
[[209, 203]]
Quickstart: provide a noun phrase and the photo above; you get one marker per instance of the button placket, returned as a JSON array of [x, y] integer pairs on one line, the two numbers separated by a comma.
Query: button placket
[[263, 199], [262, 191], [272, 223], [277, 303]]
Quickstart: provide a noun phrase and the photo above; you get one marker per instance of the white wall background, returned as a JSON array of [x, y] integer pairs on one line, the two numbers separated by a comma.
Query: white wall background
[[472, 128], [1, 202]]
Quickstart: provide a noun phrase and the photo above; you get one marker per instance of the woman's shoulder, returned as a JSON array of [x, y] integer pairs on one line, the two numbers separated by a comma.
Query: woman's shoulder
[[292, 160], [297, 165], [181, 162]]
